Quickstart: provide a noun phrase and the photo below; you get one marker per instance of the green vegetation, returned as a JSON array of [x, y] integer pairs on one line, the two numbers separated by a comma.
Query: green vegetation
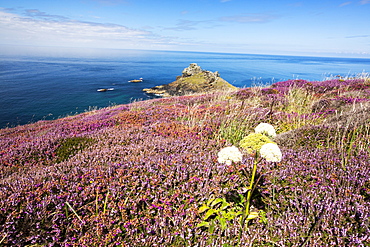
[[173, 171], [70, 146]]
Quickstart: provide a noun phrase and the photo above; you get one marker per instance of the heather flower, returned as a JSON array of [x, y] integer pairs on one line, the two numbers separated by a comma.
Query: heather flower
[[229, 154], [267, 129], [271, 152], [254, 141], [147, 163]]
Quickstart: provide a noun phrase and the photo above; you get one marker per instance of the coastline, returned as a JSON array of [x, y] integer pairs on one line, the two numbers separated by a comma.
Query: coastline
[[68, 85]]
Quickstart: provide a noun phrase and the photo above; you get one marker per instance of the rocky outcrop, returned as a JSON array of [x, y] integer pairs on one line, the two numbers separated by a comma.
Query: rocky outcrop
[[192, 80], [191, 70]]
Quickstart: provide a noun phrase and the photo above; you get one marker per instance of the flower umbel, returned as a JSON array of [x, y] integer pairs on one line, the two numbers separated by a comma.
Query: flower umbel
[[271, 152], [229, 154], [265, 128], [253, 142]]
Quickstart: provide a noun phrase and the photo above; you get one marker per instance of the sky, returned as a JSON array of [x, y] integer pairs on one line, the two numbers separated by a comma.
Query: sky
[[285, 27]]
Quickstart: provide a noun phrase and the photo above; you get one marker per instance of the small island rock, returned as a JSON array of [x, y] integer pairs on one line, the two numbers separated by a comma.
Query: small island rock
[[192, 80]]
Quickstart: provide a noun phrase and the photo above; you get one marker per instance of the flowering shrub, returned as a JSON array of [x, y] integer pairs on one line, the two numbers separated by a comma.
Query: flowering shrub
[[135, 175]]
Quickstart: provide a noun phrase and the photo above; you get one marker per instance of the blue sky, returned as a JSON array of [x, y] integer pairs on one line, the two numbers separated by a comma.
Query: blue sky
[[286, 27]]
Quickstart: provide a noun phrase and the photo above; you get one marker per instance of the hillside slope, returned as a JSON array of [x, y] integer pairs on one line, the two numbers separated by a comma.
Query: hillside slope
[[137, 174]]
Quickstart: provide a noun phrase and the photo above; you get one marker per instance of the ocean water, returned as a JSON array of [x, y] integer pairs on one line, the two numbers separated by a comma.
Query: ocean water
[[36, 87]]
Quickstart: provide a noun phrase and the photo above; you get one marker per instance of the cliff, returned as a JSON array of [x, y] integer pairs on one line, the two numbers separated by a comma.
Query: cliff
[[192, 80]]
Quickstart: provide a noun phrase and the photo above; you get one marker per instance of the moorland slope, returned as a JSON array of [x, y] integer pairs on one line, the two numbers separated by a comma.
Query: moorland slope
[[138, 174]]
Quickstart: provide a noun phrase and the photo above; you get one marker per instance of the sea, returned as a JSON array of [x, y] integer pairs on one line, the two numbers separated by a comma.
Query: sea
[[44, 87]]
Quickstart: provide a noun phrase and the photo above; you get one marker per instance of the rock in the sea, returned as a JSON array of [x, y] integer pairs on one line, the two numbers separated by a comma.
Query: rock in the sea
[[191, 70], [192, 80]]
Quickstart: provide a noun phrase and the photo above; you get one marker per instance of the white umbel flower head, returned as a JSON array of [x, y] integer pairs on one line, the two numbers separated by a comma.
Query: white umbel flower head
[[271, 152], [229, 154], [265, 128]]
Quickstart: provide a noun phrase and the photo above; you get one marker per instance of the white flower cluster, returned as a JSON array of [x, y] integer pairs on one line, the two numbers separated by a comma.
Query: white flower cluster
[[271, 152], [229, 154], [265, 128]]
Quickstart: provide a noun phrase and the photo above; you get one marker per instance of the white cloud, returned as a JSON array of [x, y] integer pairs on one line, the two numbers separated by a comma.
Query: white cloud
[[358, 36], [35, 13], [39, 28], [186, 25], [365, 1], [345, 3]]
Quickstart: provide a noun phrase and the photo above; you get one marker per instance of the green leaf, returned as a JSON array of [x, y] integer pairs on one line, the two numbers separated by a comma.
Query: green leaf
[[210, 213], [224, 205], [263, 217], [252, 215], [239, 213], [211, 228], [210, 200], [242, 199], [216, 201], [223, 223], [203, 224], [230, 215], [203, 208]]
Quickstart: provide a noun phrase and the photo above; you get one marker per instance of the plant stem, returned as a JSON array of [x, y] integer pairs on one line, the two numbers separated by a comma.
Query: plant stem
[[3, 238], [96, 203], [249, 197], [69, 205], [105, 203]]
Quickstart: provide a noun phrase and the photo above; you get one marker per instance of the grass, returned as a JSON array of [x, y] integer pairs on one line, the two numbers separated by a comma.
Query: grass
[[138, 174], [70, 146]]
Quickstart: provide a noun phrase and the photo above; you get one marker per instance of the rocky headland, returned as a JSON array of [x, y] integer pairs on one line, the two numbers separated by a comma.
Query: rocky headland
[[193, 80]]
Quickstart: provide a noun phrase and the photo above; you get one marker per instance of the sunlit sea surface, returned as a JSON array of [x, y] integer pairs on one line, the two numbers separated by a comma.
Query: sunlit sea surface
[[35, 88]]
